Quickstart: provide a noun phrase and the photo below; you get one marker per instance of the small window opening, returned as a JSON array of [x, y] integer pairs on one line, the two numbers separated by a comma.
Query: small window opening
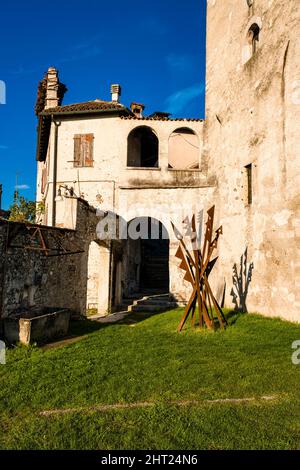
[[248, 169], [253, 37]]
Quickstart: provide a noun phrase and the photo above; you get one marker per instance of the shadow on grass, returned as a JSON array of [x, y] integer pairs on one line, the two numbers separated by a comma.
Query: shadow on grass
[[84, 327], [233, 316], [87, 326], [81, 328], [137, 317]]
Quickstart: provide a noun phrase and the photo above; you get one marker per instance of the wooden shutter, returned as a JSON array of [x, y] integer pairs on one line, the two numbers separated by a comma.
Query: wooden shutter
[[83, 150], [77, 150], [88, 149]]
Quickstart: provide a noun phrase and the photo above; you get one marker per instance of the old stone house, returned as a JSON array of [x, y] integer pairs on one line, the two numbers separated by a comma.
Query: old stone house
[[123, 163], [244, 158]]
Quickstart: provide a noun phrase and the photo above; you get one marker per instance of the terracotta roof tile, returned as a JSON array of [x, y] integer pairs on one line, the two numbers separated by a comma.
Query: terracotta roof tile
[[158, 118], [97, 105]]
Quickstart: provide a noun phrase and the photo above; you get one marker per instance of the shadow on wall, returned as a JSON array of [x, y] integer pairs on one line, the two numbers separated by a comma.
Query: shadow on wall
[[241, 279]]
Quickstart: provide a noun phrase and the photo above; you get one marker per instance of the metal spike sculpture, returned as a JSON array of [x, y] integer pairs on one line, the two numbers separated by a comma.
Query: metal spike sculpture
[[197, 267]]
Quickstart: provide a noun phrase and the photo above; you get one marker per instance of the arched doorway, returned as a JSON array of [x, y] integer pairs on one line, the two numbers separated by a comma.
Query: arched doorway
[[147, 256]]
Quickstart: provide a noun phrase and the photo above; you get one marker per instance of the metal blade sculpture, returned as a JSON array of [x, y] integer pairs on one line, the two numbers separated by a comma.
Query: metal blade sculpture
[[197, 267]]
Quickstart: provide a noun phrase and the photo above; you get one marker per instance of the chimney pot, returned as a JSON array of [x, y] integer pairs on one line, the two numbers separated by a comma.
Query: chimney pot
[[116, 91], [137, 109]]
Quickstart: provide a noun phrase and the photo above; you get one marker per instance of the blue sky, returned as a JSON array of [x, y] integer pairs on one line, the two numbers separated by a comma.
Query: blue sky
[[154, 49]]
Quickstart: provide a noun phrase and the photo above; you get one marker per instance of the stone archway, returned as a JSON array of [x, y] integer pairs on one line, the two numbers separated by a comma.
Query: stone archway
[[143, 148]]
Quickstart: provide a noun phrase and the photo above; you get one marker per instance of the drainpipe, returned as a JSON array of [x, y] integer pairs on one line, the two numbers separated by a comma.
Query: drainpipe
[[56, 124]]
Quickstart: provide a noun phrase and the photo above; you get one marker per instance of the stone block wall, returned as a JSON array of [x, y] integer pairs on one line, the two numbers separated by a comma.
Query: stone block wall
[[29, 279]]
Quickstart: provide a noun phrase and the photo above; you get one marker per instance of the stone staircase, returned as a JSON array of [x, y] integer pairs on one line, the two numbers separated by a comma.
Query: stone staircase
[[148, 302]]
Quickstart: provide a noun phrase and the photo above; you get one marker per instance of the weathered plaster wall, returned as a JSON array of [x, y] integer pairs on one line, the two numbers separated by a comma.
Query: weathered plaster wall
[[110, 159], [163, 193], [253, 115]]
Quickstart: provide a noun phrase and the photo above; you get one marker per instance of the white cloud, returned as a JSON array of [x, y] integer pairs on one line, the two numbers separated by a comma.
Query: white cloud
[[178, 101], [22, 186]]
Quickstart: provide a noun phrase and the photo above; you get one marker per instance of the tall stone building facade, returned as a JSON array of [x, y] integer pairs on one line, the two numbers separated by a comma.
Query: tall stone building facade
[[244, 158], [251, 140]]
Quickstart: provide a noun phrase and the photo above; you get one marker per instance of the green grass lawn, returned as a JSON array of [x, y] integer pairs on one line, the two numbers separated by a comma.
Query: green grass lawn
[[149, 361]]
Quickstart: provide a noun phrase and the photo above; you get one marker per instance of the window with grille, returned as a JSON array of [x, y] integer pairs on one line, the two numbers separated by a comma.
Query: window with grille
[[83, 150]]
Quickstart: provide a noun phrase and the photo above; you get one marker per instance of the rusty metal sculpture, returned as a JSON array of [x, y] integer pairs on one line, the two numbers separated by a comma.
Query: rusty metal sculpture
[[197, 267]]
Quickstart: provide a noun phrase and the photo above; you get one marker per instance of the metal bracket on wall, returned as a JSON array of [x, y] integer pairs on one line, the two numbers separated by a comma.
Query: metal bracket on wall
[[42, 239]]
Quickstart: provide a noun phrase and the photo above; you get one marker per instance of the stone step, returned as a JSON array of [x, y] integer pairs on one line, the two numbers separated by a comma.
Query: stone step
[[145, 295], [151, 308], [156, 296], [131, 297], [146, 301]]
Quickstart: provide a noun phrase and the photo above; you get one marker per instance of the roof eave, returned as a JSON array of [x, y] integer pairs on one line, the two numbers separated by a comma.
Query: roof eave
[[86, 112], [46, 115]]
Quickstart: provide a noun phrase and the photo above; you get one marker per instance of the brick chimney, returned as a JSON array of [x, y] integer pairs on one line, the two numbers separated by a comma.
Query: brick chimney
[[137, 109], [116, 91], [52, 98], [50, 91]]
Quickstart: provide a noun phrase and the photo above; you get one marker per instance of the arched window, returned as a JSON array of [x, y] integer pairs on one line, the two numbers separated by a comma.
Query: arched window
[[142, 148], [184, 149], [253, 37]]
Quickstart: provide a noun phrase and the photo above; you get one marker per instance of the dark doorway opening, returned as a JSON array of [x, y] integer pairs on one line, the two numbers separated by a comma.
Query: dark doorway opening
[[147, 256], [155, 265], [142, 148]]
